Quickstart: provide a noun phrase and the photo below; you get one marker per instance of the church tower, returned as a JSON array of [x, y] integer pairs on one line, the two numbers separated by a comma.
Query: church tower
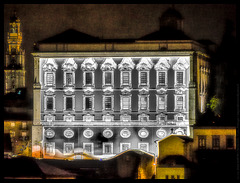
[[14, 66]]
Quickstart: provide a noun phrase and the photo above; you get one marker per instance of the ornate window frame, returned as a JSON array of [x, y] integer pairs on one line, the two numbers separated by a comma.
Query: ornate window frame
[[175, 102], [64, 148], [88, 118], [139, 102], [144, 65], [108, 66], [49, 66], [161, 115], [143, 143], [181, 65], [158, 96], [69, 66], [84, 102], [69, 118], [89, 65], [73, 102], [104, 150], [129, 97], [49, 94], [124, 143], [162, 66], [108, 117], [125, 117], [84, 79], [126, 65], [52, 146], [92, 147], [112, 102]]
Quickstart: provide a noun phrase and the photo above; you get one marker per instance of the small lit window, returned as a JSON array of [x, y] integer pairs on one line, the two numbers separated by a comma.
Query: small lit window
[[161, 78], [143, 78], [108, 103], [125, 103], [179, 78], [202, 142], [89, 78], [50, 148], [143, 102], [215, 141], [108, 78], [179, 102], [24, 125], [12, 124], [143, 146], [107, 148], [68, 148], [69, 103], [124, 146], [88, 147], [161, 102], [88, 103], [49, 103], [49, 79], [125, 78]]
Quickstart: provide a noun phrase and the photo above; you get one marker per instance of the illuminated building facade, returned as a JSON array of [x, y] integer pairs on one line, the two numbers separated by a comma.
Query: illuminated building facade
[[103, 97], [14, 66]]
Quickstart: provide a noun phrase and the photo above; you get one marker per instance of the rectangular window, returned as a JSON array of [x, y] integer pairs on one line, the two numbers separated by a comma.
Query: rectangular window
[[161, 102], [88, 103], [161, 78], [12, 124], [125, 103], [143, 78], [215, 141], [124, 146], [166, 176], [179, 78], [49, 79], [49, 101], [24, 125], [88, 147], [50, 148], [88, 78], [202, 142], [143, 102], [108, 103], [125, 78], [69, 103], [107, 148], [68, 148], [69, 79], [179, 102], [143, 146], [229, 141], [108, 78]]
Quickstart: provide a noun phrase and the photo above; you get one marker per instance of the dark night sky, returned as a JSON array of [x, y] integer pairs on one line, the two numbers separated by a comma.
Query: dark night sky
[[40, 21]]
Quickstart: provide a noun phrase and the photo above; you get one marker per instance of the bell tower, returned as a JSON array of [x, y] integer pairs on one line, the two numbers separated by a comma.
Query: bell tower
[[14, 66]]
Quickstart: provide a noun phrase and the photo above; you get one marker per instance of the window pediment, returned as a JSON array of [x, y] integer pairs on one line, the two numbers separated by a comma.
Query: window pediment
[[162, 64], [108, 90], [126, 90], [50, 91], [126, 64], [108, 64], [69, 65], [69, 91], [50, 65], [161, 91], [181, 64], [89, 64], [144, 64], [144, 91]]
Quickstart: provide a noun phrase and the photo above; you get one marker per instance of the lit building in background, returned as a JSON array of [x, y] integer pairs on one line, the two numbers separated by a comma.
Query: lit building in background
[[103, 97], [14, 65]]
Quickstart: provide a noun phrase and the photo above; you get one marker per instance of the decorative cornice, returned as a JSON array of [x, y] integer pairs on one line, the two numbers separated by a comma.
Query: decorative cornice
[[126, 64], [163, 64], [144, 64], [69, 65], [89, 64], [50, 65], [108, 65], [181, 64]]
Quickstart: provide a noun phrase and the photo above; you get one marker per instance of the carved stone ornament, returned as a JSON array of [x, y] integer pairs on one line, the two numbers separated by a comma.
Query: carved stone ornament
[[180, 90], [108, 65], [161, 133], [69, 91], [69, 65], [161, 91], [88, 133], [143, 133], [108, 90], [144, 91], [181, 64], [50, 65], [50, 91], [125, 133], [126, 90], [68, 133], [49, 133], [89, 64], [179, 131], [88, 91], [144, 64], [162, 64], [107, 133], [68, 118], [126, 64]]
